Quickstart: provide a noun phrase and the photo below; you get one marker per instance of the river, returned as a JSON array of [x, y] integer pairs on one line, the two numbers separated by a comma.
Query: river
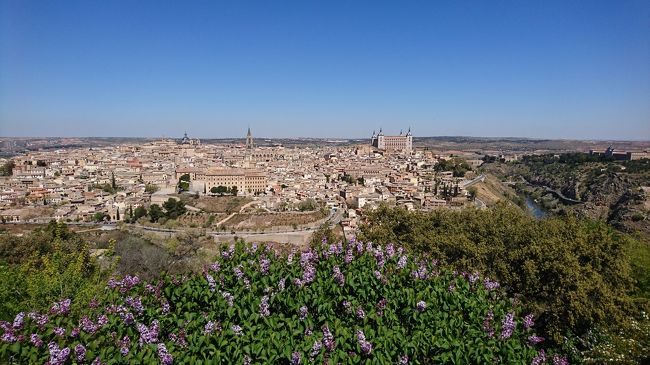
[[534, 208]]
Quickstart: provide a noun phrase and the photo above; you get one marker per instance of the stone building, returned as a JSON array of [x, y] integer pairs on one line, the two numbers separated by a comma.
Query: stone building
[[402, 142]]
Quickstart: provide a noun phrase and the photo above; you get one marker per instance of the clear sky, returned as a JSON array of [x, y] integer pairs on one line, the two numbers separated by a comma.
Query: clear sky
[[535, 68]]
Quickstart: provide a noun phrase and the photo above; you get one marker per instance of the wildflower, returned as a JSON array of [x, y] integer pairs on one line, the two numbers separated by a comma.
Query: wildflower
[[360, 313], [211, 283], [209, 328], [124, 344], [487, 324], [451, 288], [489, 284], [8, 337], [216, 266], [148, 334], [80, 351], [421, 306], [247, 283], [264, 306], [534, 340], [124, 351], [315, 349], [348, 256], [295, 358], [308, 275], [540, 358], [338, 276], [328, 339], [473, 278], [236, 329], [35, 340], [135, 303], [264, 265], [377, 274], [238, 272], [281, 284], [87, 325], [507, 326], [229, 298], [528, 321], [165, 307], [347, 306], [308, 332], [290, 258], [102, 320], [228, 253], [97, 361], [560, 360], [58, 356], [19, 321], [303, 313], [401, 263], [75, 332], [247, 360], [59, 331], [165, 357], [390, 250], [366, 347], [403, 360]]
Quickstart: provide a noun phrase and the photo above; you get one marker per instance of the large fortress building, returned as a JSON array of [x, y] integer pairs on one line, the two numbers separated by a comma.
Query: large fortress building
[[403, 142]]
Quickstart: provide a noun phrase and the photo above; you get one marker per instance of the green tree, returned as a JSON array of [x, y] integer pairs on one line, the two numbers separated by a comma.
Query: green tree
[[113, 182], [100, 217], [155, 213], [184, 182], [150, 188], [174, 208], [139, 213], [233, 190], [7, 168]]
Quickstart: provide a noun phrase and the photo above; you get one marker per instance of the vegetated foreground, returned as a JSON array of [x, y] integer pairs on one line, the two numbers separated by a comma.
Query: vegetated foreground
[[352, 303]]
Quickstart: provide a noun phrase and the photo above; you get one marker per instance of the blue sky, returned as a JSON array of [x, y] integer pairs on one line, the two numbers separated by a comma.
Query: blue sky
[[539, 68]]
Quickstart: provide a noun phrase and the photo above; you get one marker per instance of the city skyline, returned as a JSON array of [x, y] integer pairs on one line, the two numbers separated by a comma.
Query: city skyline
[[553, 70]]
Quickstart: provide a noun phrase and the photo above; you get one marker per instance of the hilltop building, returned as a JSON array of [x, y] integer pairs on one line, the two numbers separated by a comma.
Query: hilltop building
[[403, 142], [189, 141]]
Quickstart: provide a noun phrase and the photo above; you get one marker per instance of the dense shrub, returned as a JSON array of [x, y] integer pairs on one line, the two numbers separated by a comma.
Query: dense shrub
[[349, 304], [574, 273]]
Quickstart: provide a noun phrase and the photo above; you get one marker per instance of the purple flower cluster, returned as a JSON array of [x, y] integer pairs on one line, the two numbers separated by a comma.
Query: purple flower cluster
[[540, 358], [164, 355], [421, 272], [264, 306], [403, 360], [379, 256], [421, 306], [236, 329], [377, 274], [265, 263], [489, 284], [148, 334], [210, 327], [401, 263], [529, 321], [303, 313], [328, 339], [40, 319], [487, 324], [211, 283], [215, 266], [534, 340], [35, 340], [87, 325], [228, 297], [508, 326], [135, 303], [62, 307], [125, 344], [229, 253], [360, 313], [238, 272], [125, 284], [59, 331], [315, 349], [179, 339], [348, 306], [295, 358], [366, 347], [19, 321], [560, 360], [247, 360], [58, 356], [80, 352], [451, 288], [349, 256], [473, 278], [390, 250], [338, 276], [165, 307]]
